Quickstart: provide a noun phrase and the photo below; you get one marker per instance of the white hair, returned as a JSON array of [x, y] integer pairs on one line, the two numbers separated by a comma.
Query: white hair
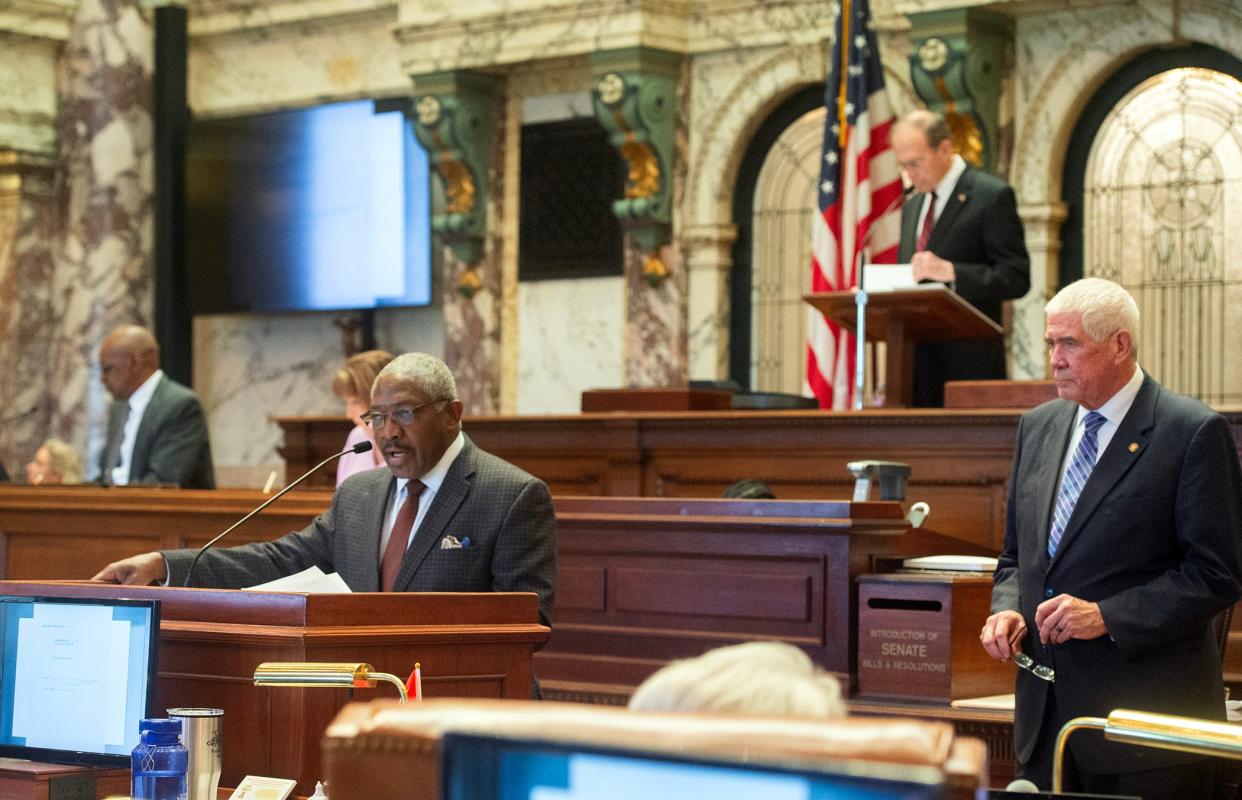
[[428, 373], [753, 679], [1106, 308]]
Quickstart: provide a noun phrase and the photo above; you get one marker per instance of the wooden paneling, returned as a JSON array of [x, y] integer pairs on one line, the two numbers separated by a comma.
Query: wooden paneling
[[959, 459], [654, 579]]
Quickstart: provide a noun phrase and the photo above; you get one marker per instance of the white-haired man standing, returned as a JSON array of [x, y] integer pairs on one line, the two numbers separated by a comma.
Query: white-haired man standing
[[1121, 547]]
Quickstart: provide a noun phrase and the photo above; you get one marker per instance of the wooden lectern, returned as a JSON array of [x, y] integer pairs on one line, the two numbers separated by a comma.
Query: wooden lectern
[[469, 645], [903, 318]]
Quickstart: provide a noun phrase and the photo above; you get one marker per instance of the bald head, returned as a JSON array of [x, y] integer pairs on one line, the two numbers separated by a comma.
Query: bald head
[[923, 144], [128, 356]]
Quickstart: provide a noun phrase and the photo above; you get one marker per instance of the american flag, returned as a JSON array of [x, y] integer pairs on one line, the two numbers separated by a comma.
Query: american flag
[[859, 185]]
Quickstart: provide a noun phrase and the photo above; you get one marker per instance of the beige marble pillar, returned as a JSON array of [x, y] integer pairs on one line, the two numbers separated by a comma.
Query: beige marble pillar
[[709, 258], [1043, 242]]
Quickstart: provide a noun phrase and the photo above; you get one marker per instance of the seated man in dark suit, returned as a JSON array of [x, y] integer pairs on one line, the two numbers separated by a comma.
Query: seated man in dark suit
[[442, 516], [960, 228], [157, 432]]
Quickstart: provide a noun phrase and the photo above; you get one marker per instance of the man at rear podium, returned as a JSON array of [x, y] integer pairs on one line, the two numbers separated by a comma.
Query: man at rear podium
[[1121, 548], [960, 228], [442, 516]]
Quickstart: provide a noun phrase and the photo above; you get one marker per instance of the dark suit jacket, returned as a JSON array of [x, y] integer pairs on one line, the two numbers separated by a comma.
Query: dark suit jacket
[[506, 513], [1154, 540], [980, 232], [171, 445]]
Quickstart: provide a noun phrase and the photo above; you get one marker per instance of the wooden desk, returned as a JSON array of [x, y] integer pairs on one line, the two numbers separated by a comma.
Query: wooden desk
[[643, 581], [470, 645], [960, 460]]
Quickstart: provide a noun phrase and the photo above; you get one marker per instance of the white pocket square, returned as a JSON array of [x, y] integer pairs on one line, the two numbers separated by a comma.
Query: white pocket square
[[449, 542]]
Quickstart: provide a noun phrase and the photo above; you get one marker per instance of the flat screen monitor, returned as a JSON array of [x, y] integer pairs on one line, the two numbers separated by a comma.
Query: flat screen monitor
[[489, 768], [310, 209], [76, 677]]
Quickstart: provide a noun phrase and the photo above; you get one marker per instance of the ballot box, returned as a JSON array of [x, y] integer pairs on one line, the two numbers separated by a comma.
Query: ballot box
[[918, 637]]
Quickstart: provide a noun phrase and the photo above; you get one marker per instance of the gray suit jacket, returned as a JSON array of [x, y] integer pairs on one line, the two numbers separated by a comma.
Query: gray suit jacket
[[172, 444], [506, 513], [980, 232], [1154, 539]]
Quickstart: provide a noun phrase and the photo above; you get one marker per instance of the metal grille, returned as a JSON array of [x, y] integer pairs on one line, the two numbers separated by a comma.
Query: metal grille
[[570, 176], [1163, 216], [784, 205]]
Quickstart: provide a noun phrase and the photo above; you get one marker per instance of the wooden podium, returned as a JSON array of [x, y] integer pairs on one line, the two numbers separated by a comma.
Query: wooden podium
[[469, 645], [903, 318]]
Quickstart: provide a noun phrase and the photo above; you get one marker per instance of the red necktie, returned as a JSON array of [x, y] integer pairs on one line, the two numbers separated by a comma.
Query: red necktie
[[399, 539], [929, 222]]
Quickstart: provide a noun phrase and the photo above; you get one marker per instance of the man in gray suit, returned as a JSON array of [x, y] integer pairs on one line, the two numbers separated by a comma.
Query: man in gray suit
[[157, 432], [442, 516], [1121, 547]]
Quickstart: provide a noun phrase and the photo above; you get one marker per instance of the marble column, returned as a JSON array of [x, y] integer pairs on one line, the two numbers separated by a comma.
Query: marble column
[[709, 259], [27, 234], [103, 254], [472, 297], [1043, 241]]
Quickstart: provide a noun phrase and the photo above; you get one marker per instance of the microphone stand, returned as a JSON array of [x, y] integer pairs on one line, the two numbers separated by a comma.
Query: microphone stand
[[361, 447], [860, 302]]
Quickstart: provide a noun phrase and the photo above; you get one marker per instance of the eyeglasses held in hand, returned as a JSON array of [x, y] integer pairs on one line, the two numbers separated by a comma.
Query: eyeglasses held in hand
[[401, 416], [1038, 670]]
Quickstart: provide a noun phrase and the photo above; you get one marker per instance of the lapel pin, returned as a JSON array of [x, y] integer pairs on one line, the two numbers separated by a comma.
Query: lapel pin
[[1133, 447], [961, 197]]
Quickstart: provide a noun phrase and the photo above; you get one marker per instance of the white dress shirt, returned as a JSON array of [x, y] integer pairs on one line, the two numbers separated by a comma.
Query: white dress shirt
[[432, 482], [138, 402], [943, 190], [1113, 410]]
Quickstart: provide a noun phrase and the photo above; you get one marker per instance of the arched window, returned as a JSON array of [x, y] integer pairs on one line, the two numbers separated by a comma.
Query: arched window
[[1162, 207]]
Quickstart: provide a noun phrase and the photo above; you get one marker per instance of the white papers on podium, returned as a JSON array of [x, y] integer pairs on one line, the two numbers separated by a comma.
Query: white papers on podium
[[995, 702], [312, 580], [888, 277], [985, 564]]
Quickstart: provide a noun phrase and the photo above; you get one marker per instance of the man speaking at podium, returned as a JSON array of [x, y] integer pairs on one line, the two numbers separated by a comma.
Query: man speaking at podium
[[442, 516], [961, 228], [1121, 547]]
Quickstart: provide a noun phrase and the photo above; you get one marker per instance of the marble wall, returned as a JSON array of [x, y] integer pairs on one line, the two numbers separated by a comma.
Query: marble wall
[[78, 239]]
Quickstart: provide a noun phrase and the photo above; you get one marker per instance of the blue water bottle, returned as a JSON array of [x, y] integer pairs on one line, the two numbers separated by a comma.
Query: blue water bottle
[[159, 761]]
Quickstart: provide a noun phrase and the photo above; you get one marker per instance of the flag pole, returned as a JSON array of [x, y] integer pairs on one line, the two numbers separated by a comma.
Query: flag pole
[[860, 334]]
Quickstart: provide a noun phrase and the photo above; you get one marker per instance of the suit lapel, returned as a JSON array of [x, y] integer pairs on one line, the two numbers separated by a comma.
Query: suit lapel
[[1049, 474], [1114, 463], [958, 199], [452, 493], [368, 554], [149, 423], [910, 226]]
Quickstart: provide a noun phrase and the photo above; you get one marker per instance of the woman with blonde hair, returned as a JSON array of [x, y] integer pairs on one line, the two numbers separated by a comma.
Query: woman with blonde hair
[[352, 383], [54, 462]]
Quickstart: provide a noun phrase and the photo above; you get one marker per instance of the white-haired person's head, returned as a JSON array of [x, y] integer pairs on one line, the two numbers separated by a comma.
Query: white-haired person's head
[[753, 679]]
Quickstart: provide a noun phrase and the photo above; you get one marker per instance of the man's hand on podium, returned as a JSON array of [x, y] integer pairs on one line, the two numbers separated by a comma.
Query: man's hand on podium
[[1002, 634], [926, 265], [137, 570]]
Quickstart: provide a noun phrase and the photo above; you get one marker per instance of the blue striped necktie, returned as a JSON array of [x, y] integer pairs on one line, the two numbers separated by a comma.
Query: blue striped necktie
[[1075, 478]]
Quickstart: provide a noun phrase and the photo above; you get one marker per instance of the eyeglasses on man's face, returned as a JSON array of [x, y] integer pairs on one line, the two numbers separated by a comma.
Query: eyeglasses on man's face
[[401, 416], [1038, 670]]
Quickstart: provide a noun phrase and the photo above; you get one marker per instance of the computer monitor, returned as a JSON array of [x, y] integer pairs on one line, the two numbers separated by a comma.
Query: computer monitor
[[76, 677], [477, 767]]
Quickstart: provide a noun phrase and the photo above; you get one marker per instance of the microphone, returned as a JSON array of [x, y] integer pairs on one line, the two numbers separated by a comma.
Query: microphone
[[19, 415], [1022, 786], [361, 447]]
